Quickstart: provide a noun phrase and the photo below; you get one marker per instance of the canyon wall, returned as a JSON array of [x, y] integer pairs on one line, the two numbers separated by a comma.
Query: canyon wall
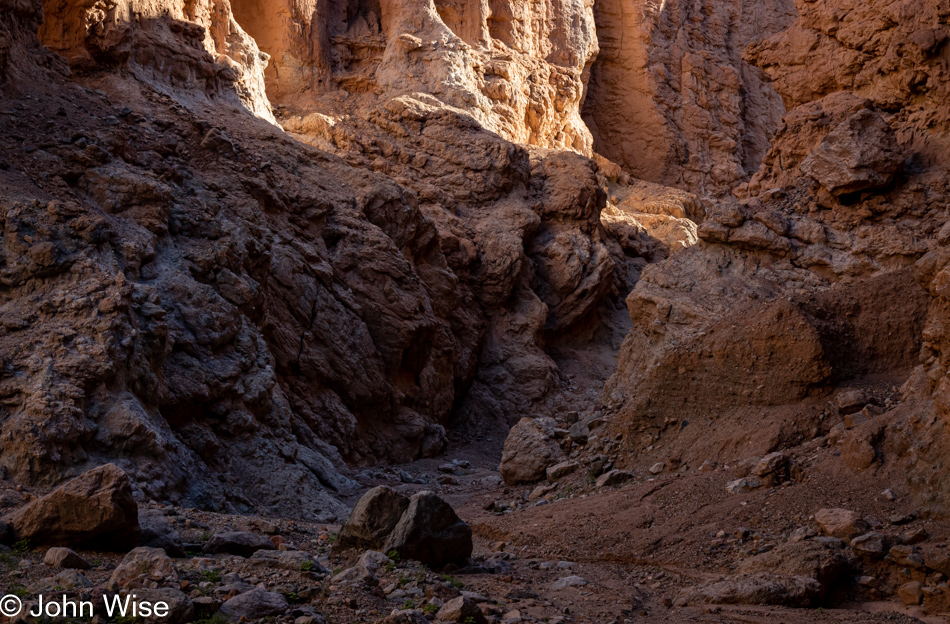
[[670, 97], [803, 284]]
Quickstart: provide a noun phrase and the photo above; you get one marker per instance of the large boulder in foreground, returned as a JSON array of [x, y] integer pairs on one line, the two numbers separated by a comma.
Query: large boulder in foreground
[[862, 153], [94, 511], [529, 450], [373, 518], [430, 532]]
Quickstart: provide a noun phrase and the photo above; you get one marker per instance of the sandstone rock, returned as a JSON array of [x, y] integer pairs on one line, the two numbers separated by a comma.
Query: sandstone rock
[[95, 509], [840, 523], [238, 543], [541, 491], [58, 557], [430, 532], [529, 450], [158, 532], [907, 556], [405, 616], [579, 433], [461, 609], [861, 153], [255, 604], [770, 465], [657, 468], [558, 471], [937, 559], [754, 589], [373, 518], [850, 401], [141, 565]]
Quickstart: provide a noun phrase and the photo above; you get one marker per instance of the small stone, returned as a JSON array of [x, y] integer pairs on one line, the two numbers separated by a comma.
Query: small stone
[[141, 565], [888, 494], [914, 536], [657, 468]]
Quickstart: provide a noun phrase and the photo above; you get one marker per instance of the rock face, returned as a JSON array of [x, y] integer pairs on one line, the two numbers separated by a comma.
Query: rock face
[[530, 450], [224, 303], [93, 510], [373, 518], [430, 532]]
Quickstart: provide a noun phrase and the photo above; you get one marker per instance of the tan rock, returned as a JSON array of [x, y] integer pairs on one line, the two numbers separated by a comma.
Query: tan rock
[[94, 509], [841, 523], [529, 451]]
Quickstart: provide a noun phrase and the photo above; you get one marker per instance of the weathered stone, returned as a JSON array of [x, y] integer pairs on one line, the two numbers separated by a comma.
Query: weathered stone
[[861, 153], [158, 532], [911, 593], [430, 532], [614, 477], [569, 581], [741, 486], [558, 471], [141, 565], [373, 518], [96, 509], [58, 557], [461, 609], [238, 543], [529, 450], [296, 560], [754, 589], [840, 523], [868, 546], [255, 604]]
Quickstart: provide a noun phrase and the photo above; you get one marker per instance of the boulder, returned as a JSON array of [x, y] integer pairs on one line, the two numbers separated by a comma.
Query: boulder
[[95, 511], [461, 609], [141, 565], [59, 557], [158, 532], [754, 589], [255, 604], [238, 543], [861, 153], [840, 523], [372, 520], [430, 532], [529, 450]]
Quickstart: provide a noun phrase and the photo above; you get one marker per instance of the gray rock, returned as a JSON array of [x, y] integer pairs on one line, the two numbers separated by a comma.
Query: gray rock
[[295, 560], [372, 520], [238, 543], [430, 532], [754, 589], [530, 449], [561, 469], [569, 581], [158, 532], [59, 557], [255, 604], [141, 565]]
